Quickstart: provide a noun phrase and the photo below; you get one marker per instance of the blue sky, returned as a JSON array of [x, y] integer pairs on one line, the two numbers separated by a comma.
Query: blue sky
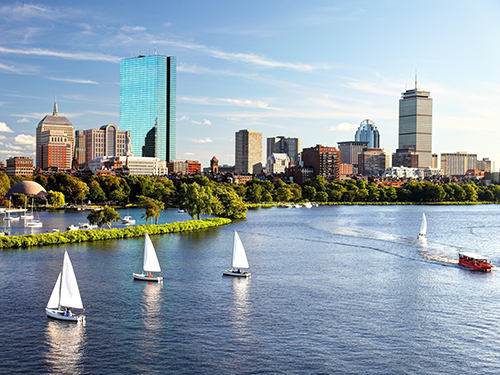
[[312, 70]]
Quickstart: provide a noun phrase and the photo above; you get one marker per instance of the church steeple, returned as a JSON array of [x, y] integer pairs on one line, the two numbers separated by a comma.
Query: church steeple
[[55, 110]]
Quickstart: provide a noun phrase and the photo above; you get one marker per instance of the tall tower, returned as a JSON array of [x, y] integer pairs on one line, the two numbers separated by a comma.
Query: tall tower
[[368, 132], [248, 152], [285, 145], [148, 99], [415, 124]]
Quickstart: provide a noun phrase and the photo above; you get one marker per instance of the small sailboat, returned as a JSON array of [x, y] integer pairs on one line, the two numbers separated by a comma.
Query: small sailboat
[[33, 223], [308, 205], [127, 220], [65, 295], [72, 227], [150, 264], [26, 215], [239, 261], [8, 217], [423, 228]]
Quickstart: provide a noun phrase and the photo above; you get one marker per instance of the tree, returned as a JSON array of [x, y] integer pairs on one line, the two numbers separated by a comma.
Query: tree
[[254, 193], [470, 192], [153, 208], [231, 205], [308, 193], [321, 196], [4, 184], [283, 194], [104, 216], [96, 194], [42, 180], [55, 198], [197, 200]]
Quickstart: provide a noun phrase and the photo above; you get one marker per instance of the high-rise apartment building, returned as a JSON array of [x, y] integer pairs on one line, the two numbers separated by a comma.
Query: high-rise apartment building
[[415, 124], [325, 161], [148, 104], [284, 145], [373, 161], [405, 158], [349, 151], [248, 152], [368, 132], [458, 164], [55, 141]]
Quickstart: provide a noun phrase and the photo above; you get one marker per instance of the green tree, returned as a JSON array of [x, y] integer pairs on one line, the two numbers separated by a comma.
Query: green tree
[[231, 205], [470, 192], [4, 184], [283, 194], [197, 200], [42, 180], [459, 194], [321, 196], [104, 216], [96, 194], [308, 193], [254, 193], [153, 208], [55, 198], [267, 197]]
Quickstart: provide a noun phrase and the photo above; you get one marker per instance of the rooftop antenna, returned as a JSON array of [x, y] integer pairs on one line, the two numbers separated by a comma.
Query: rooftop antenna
[[415, 78], [155, 50]]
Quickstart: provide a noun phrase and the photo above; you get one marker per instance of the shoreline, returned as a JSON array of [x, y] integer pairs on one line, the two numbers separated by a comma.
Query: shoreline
[[48, 239]]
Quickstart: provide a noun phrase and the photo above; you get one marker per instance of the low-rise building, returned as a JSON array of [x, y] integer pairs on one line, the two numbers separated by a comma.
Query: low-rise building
[[277, 163], [184, 166], [20, 165], [373, 161], [139, 166]]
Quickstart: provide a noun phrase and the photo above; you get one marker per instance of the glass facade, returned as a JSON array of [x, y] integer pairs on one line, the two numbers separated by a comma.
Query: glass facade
[[368, 132], [147, 99]]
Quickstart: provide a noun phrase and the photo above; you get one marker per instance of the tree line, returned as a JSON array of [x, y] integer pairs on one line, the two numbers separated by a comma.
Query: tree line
[[198, 195]]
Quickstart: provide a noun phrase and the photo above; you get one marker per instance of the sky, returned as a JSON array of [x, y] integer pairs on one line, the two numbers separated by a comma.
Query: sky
[[313, 70]]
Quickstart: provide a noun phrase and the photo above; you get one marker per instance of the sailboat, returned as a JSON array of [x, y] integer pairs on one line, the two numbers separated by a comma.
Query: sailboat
[[239, 261], [65, 295], [423, 228], [34, 223], [8, 217], [25, 215], [150, 263]]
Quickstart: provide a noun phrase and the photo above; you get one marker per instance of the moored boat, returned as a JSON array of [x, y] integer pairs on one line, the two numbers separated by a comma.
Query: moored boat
[[127, 220], [474, 261]]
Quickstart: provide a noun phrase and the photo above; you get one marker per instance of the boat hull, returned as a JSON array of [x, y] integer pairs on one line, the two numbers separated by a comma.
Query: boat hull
[[236, 274], [56, 314], [141, 276], [484, 267]]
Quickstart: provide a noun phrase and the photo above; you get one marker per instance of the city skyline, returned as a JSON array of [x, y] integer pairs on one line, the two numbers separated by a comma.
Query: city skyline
[[281, 68]]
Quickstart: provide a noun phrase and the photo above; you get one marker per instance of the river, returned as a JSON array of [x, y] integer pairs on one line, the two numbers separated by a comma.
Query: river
[[334, 290]]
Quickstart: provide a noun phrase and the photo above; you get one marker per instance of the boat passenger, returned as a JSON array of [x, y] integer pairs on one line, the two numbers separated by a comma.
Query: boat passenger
[[239, 271], [68, 312]]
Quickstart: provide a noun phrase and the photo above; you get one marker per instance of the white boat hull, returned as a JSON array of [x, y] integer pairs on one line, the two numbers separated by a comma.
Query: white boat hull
[[59, 315], [236, 274], [141, 276]]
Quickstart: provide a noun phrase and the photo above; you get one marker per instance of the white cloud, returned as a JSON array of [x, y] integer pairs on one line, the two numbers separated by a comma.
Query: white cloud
[[10, 69], [206, 122], [27, 10], [24, 119], [167, 24], [24, 139], [2, 137], [226, 102], [133, 28], [206, 140], [4, 128], [188, 153], [84, 56], [11, 146], [183, 118], [196, 122], [73, 80], [344, 126]]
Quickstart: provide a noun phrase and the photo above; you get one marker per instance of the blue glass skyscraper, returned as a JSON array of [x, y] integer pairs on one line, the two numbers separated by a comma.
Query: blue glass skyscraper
[[147, 104], [368, 132]]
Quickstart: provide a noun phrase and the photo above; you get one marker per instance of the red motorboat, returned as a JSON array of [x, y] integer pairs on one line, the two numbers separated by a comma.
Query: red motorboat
[[474, 261]]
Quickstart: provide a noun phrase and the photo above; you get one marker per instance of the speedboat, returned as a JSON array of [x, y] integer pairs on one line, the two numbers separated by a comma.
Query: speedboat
[[474, 261], [72, 227], [127, 220]]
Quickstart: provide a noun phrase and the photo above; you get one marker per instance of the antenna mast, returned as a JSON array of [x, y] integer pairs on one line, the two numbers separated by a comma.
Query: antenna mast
[[415, 78]]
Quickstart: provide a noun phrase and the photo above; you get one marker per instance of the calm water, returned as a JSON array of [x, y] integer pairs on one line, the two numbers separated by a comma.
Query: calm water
[[345, 290]]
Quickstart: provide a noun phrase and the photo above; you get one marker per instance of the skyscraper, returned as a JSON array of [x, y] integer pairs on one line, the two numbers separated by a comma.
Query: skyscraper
[[55, 141], [284, 145], [248, 152], [147, 104], [415, 124], [368, 132]]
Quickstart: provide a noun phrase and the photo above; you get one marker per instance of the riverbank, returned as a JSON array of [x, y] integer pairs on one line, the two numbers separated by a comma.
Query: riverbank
[[45, 239], [278, 204]]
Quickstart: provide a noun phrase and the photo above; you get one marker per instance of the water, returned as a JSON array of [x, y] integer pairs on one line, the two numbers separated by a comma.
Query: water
[[342, 289]]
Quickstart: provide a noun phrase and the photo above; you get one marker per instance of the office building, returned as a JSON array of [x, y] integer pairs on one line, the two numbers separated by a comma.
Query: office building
[[415, 124], [284, 145], [148, 104], [406, 157], [325, 161], [248, 152], [79, 155], [373, 161], [185, 167], [486, 165], [349, 151], [107, 141], [368, 132], [132, 165], [55, 140], [20, 165], [458, 164]]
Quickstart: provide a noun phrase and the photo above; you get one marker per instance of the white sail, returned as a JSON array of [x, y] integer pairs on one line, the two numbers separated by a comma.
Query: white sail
[[151, 263], [70, 294], [239, 256], [54, 297], [423, 226]]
